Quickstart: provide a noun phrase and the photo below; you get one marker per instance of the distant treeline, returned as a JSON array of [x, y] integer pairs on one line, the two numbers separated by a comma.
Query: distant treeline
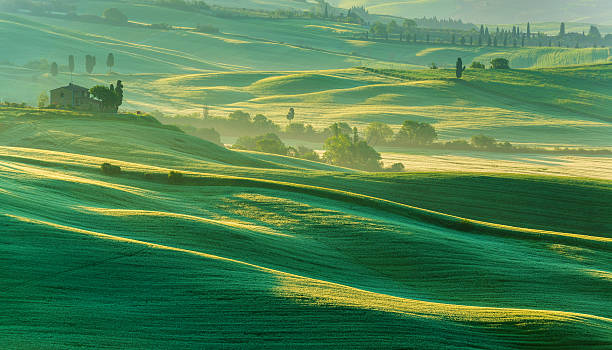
[[411, 32], [443, 23], [412, 134]]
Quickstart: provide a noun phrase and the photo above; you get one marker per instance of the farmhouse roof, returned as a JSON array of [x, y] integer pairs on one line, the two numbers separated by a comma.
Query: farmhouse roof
[[72, 86]]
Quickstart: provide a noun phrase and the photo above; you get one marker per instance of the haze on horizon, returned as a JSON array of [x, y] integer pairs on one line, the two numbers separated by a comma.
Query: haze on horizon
[[493, 11]]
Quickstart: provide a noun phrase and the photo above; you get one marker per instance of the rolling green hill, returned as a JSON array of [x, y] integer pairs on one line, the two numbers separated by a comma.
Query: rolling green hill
[[273, 253], [548, 106]]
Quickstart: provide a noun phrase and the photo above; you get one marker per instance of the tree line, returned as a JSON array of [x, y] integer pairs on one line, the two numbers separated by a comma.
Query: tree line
[[89, 63], [410, 32]]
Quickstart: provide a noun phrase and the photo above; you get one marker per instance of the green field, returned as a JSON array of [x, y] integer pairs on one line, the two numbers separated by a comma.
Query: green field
[[330, 256]]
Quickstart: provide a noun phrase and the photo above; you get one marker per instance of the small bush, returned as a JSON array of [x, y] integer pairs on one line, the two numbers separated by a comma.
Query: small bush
[[207, 29], [111, 170], [477, 65], [160, 26], [175, 178], [461, 225], [396, 168], [500, 63]]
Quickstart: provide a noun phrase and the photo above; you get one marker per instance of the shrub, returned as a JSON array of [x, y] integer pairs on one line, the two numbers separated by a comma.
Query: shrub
[[175, 177], [268, 143], [500, 63], [415, 133], [207, 29], [477, 65], [483, 141], [111, 170], [308, 154], [396, 168], [115, 16], [343, 151]]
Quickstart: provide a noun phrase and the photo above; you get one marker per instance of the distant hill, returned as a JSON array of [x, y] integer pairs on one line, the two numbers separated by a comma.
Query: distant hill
[[494, 11]]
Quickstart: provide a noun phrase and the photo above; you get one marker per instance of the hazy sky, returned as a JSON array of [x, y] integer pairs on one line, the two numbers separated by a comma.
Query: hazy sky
[[494, 11]]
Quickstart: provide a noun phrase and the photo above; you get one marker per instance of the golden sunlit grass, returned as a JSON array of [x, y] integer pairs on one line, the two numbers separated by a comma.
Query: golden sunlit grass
[[292, 244]]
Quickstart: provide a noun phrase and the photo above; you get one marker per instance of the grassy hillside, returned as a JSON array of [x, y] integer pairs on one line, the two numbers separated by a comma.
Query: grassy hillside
[[547, 106], [258, 253], [560, 106]]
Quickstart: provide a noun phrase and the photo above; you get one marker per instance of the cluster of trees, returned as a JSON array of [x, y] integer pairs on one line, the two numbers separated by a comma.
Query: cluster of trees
[[240, 123], [344, 149], [418, 134], [110, 97], [435, 23], [411, 133], [392, 29], [271, 143]]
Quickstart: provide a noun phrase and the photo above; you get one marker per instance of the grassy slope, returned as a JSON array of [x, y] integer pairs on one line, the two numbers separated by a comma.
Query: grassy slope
[[548, 106], [320, 269], [166, 149]]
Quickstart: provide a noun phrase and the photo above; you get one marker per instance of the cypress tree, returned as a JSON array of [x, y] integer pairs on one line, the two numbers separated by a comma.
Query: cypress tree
[[460, 68], [528, 30], [54, 69]]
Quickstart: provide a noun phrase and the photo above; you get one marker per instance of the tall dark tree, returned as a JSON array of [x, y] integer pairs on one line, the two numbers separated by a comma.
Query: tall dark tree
[[291, 114], [71, 65], [528, 30], [460, 68], [54, 69], [119, 93], [594, 33], [110, 62], [90, 63], [562, 30]]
